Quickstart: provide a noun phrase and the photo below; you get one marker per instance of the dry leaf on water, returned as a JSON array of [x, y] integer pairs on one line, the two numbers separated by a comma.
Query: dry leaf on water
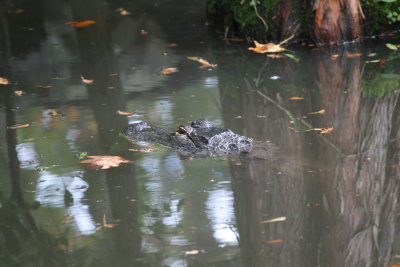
[[321, 112], [204, 63], [143, 32], [335, 56], [296, 98], [122, 11], [18, 92], [113, 74], [142, 150], [321, 130], [124, 113], [44, 85], [104, 162], [192, 252], [105, 224], [86, 81], [16, 11], [173, 45], [19, 126], [353, 55], [276, 241], [4, 81], [279, 219], [168, 71], [269, 47], [80, 24]]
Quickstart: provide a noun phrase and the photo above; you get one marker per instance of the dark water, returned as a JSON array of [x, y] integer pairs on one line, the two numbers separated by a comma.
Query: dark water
[[338, 192]]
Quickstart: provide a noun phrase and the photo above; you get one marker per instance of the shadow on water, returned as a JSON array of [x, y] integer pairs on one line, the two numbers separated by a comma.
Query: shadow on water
[[338, 192]]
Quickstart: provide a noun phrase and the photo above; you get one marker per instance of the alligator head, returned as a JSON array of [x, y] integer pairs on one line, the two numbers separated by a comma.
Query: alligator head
[[200, 135]]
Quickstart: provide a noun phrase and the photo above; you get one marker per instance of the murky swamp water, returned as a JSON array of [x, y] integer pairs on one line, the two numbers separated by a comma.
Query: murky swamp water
[[335, 194]]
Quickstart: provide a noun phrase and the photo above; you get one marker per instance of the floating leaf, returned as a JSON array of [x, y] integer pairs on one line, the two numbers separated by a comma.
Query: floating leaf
[[392, 46], [44, 85], [372, 54], [269, 47], [113, 74], [142, 150], [143, 32], [122, 11], [18, 92], [234, 39], [86, 81], [279, 219], [334, 56], [16, 11], [58, 78], [276, 241], [105, 162], [353, 55], [19, 126], [4, 81], [321, 112], [296, 98], [105, 224], [168, 71], [124, 113], [192, 252], [81, 24], [173, 45], [373, 61], [321, 130], [204, 63]]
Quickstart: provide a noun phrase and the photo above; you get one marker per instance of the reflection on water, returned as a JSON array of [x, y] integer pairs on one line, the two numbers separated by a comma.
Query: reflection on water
[[338, 192]]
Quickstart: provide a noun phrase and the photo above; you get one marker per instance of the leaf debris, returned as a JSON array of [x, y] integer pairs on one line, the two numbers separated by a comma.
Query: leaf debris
[[86, 81], [278, 219], [105, 161], [80, 24], [321, 112], [168, 71], [275, 241], [124, 113], [295, 98], [147, 150], [19, 126], [4, 81], [204, 63]]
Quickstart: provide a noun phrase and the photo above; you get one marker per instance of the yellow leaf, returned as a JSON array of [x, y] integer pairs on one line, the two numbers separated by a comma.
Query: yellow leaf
[[168, 71], [80, 24], [279, 219], [104, 162], [296, 98], [19, 126], [322, 111]]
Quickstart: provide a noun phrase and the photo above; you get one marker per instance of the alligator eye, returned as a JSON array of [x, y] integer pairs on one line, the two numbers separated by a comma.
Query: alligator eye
[[181, 130]]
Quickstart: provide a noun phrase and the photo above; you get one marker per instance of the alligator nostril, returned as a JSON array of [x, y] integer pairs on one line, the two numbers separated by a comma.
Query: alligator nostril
[[245, 142], [233, 147]]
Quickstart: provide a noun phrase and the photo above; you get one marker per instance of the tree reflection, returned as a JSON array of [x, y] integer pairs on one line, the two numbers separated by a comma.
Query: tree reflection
[[339, 192]]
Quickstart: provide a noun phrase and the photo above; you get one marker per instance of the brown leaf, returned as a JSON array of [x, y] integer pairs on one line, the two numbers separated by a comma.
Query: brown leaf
[[122, 11], [4, 81], [321, 130], [335, 56], [233, 39], [19, 126], [322, 111], [18, 93], [16, 11], [113, 74], [353, 55], [142, 150], [44, 85], [105, 162], [108, 225], [266, 48], [143, 32], [296, 98], [204, 63], [276, 241], [81, 24], [173, 45], [86, 81], [124, 113], [168, 71]]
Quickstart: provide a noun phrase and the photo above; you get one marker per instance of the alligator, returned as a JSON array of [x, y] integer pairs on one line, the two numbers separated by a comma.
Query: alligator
[[202, 138]]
